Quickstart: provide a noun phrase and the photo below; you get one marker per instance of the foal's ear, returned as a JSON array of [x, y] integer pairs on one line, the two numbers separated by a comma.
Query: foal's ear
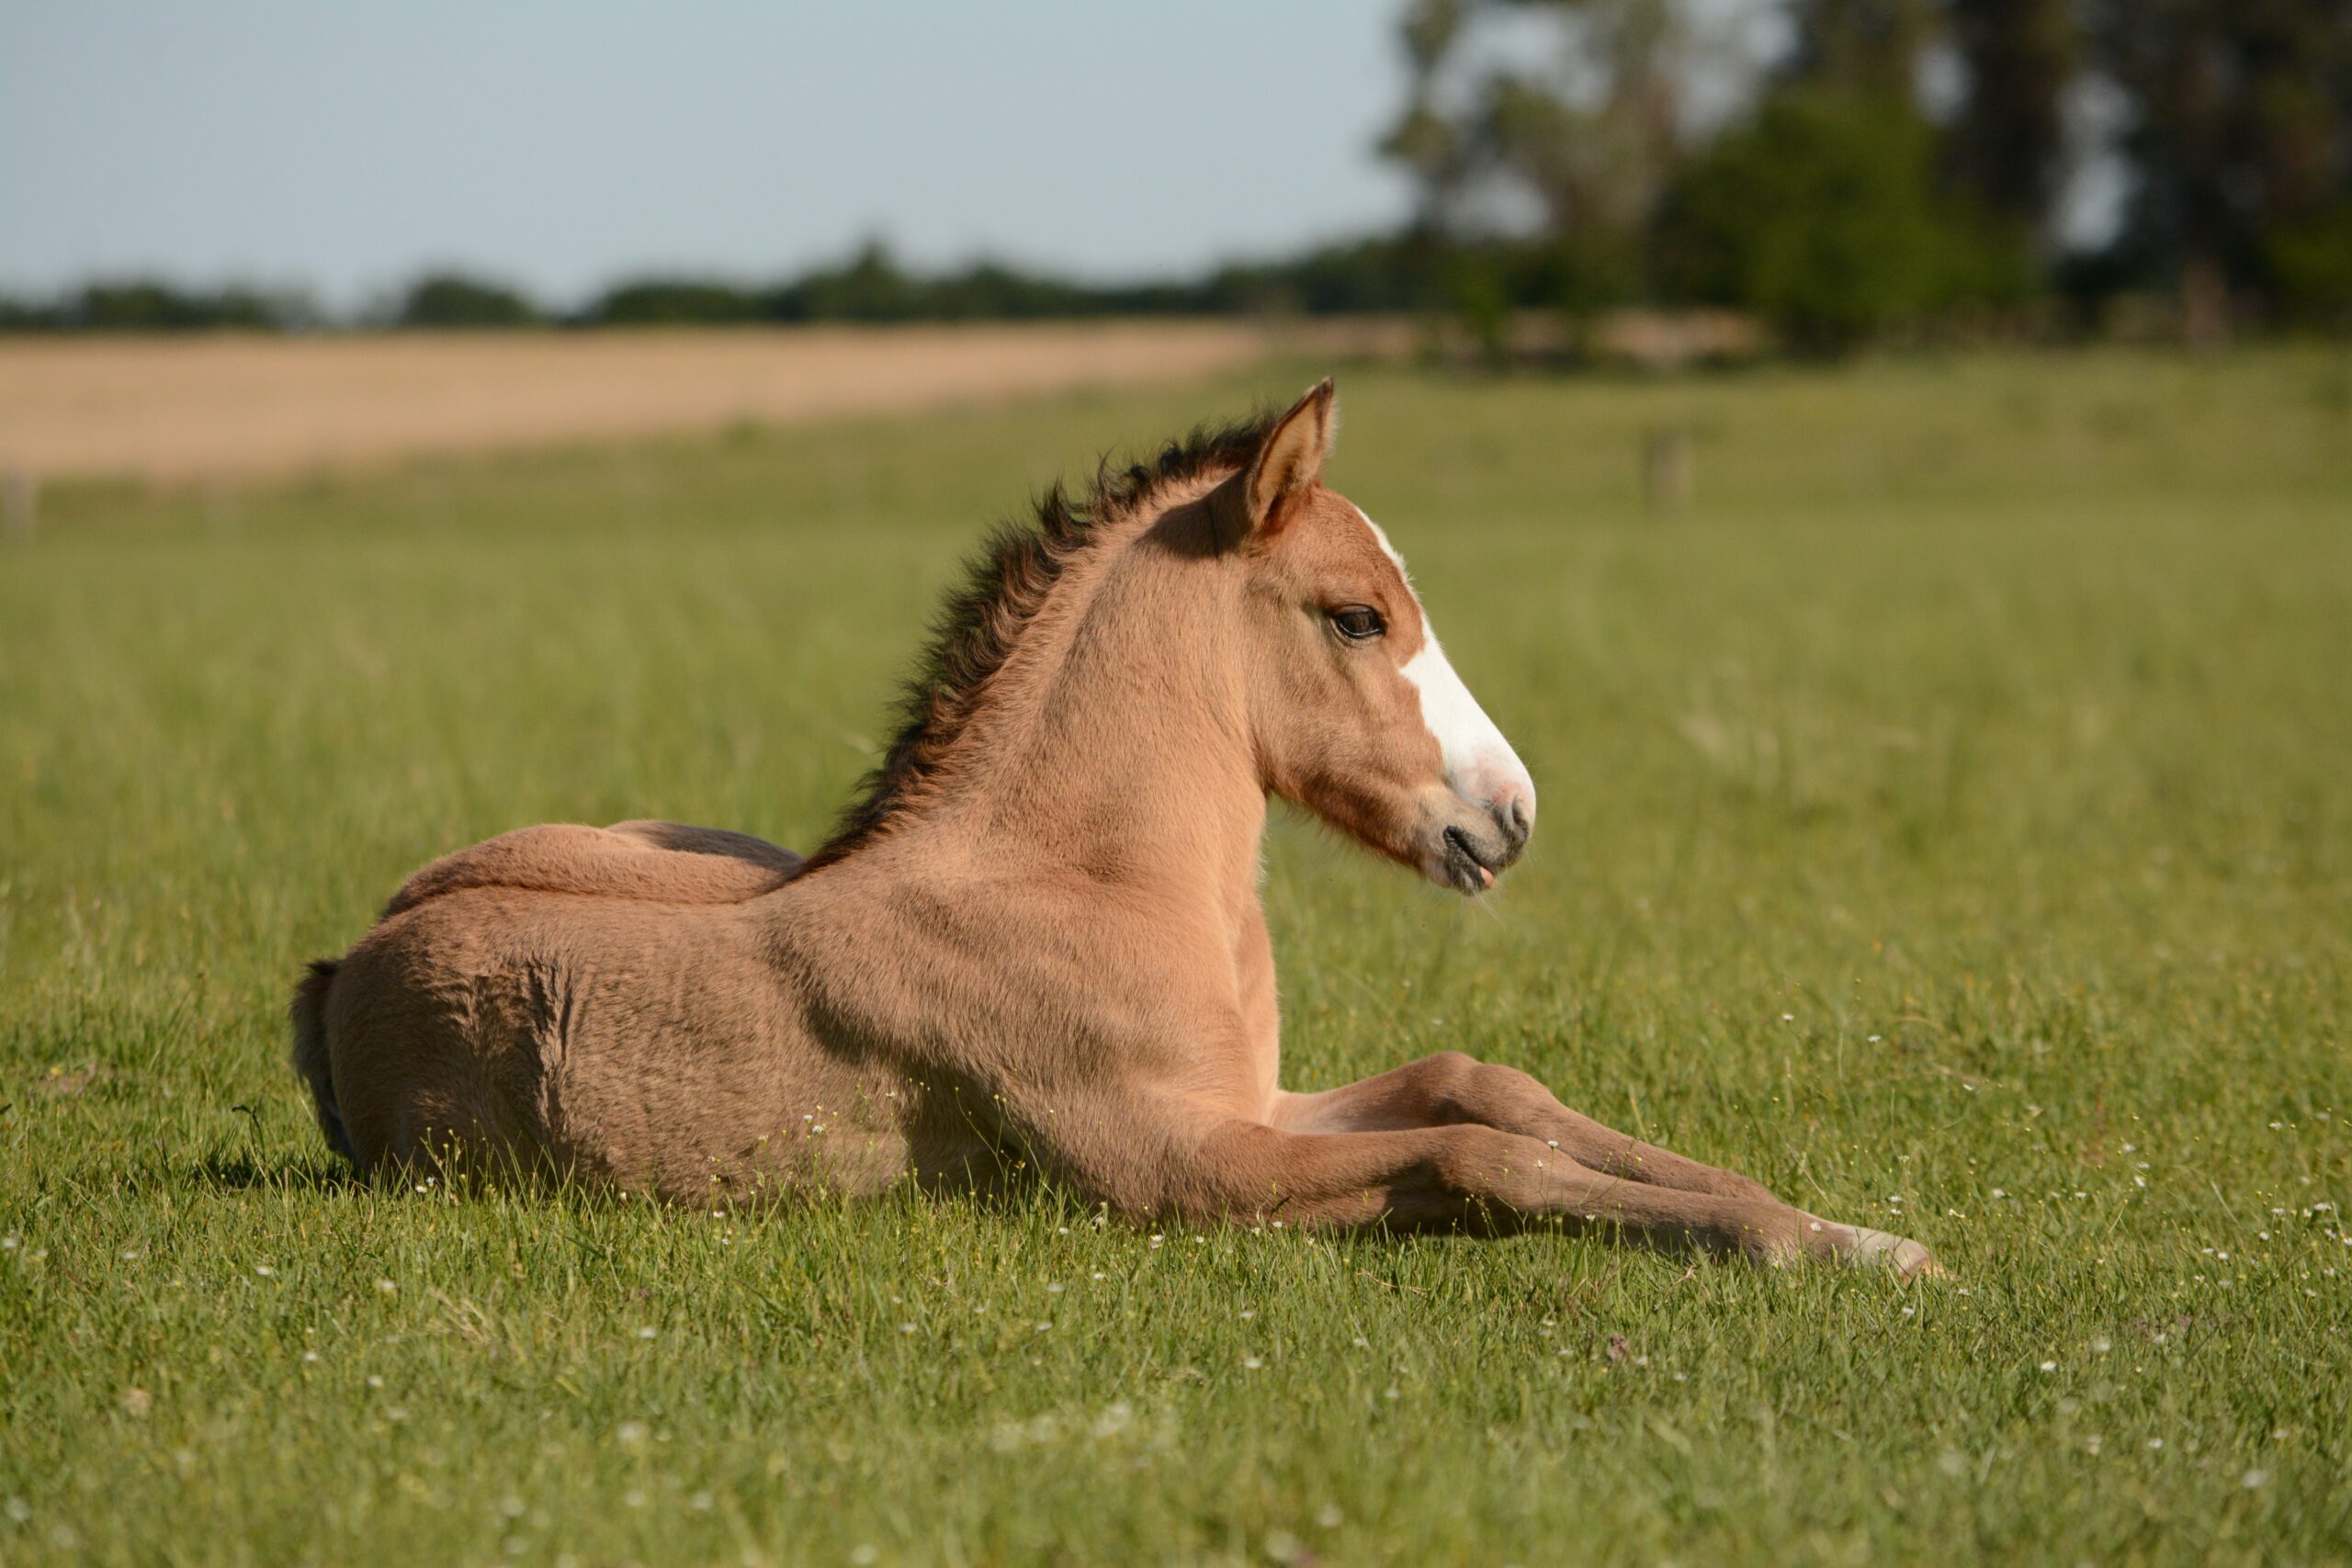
[[1288, 462]]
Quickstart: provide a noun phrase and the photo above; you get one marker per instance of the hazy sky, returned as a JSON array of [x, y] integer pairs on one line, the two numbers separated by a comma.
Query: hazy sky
[[345, 145]]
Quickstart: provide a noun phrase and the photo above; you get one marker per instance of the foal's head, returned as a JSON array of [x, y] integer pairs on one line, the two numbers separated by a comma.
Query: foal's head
[[1355, 712]]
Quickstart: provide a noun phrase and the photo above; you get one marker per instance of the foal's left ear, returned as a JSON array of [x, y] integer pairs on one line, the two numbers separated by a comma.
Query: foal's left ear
[[1288, 462]]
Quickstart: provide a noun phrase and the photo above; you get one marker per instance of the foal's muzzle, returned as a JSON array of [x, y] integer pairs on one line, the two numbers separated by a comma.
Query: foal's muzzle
[[1476, 841]]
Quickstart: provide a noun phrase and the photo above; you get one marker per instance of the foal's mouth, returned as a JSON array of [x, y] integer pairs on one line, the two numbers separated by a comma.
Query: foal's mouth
[[1465, 868], [1470, 859]]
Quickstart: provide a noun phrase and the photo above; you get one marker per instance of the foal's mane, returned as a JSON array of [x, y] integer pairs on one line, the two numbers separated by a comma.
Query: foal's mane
[[981, 621]]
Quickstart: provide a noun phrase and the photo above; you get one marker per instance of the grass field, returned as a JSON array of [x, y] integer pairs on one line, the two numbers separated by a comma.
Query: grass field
[[1949, 818]]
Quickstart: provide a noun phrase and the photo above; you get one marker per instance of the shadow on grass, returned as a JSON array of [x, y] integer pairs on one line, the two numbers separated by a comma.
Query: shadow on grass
[[244, 1173]]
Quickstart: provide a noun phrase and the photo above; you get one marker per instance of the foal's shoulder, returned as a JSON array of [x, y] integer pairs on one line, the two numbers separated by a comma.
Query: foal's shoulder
[[665, 863]]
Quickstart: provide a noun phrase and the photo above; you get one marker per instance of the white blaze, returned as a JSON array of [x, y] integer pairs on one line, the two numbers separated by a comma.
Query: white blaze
[[1479, 763]]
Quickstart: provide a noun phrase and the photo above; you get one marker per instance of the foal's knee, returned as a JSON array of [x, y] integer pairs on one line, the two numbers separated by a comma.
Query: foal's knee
[[1463, 1088], [1447, 1084]]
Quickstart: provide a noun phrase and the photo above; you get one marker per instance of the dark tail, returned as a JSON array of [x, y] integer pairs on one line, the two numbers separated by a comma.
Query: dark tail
[[310, 1014]]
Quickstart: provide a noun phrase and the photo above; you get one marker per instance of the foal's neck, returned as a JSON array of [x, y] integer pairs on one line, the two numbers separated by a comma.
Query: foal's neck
[[1115, 744]]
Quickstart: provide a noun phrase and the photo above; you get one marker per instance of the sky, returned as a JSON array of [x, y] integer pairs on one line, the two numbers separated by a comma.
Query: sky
[[345, 146]]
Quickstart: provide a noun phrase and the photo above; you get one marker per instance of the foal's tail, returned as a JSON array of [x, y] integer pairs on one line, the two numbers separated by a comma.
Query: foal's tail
[[309, 1015]]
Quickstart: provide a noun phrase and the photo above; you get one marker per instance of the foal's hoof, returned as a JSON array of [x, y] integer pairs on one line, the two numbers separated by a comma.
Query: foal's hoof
[[1883, 1249]]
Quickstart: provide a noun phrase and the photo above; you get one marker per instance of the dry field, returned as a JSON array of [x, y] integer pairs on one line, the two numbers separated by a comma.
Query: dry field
[[175, 410]]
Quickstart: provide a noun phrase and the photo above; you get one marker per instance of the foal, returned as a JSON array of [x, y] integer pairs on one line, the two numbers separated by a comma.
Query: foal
[[1037, 938]]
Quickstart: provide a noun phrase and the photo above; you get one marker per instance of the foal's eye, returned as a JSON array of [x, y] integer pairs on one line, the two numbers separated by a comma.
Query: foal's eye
[[1359, 623]]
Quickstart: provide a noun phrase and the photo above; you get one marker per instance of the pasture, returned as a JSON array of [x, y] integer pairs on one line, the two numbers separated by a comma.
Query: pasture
[[1946, 819]]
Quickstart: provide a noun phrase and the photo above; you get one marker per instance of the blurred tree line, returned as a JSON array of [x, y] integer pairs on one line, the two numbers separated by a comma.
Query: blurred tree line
[[1373, 275], [1841, 167], [1838, 168]]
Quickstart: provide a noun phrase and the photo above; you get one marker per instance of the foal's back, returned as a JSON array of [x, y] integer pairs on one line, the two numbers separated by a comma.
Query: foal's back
[[662, 863]]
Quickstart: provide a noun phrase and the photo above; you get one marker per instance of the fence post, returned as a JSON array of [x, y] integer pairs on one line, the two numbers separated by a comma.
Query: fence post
[[1666, 468], [19, 505]]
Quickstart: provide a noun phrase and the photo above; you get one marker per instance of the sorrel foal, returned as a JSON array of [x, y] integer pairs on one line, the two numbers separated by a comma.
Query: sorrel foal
[[1037, 939]]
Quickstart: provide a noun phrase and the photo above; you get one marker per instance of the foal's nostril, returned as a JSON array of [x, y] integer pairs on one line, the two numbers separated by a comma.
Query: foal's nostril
[[1511, 816]]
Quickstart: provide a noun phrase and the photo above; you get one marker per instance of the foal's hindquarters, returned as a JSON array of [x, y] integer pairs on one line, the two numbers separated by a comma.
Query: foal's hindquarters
[[648, 1047]]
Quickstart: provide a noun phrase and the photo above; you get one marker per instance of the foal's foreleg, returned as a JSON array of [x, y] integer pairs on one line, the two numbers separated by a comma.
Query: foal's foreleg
[[1452, 1087], [1463, 1175]]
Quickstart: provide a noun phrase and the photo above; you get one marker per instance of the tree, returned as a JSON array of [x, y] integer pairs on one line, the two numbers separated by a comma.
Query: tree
[[674, 302], [1867, 48], [1541, 136], [1595, 140], [2242, 133], [2008, 143], [2311, 268], [448, 300], [146, 305], [871, 287], [1431, 146], [1823, 214]]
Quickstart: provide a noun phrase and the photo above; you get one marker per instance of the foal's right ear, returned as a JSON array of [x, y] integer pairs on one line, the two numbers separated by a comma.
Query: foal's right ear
[[1287, 464]]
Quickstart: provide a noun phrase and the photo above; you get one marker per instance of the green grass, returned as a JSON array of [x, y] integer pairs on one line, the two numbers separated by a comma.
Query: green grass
[[1953, 807]]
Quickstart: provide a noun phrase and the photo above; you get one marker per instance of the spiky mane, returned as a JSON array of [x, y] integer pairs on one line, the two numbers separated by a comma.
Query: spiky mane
[[981, 622]]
